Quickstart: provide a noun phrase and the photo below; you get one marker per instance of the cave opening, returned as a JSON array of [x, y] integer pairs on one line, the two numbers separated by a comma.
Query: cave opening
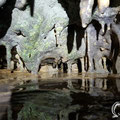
[[3, 61]]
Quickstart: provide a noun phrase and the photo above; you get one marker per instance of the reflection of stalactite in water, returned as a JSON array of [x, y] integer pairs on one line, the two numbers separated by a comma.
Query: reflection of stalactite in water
[[89, 15], [105, 84], [112, 86], [89, 85], [69, 84], [85, 85]]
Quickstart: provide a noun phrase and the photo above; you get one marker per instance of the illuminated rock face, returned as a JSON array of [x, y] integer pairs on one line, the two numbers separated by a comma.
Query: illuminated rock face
[[86, 11], [103, 4], [66, 31]]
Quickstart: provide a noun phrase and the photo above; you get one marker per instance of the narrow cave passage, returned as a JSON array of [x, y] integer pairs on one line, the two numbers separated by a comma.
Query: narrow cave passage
[[3, 61]]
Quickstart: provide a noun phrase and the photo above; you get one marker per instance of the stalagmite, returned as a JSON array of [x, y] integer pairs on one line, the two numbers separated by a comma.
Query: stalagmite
[[83, 63], [20, 65], [12, 63], [103, 26]]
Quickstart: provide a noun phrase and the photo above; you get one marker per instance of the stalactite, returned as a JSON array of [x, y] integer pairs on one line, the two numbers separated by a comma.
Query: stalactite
[[20, 4], [107, 18], [102, 5], [86, 11], [99, 22], [2, 2]]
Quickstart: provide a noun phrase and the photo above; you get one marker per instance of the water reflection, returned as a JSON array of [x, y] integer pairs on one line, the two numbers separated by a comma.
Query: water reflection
[[87, 99], [5, 96]]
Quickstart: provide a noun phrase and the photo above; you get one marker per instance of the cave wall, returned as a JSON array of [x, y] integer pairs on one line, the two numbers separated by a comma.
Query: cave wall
[[44, 29]]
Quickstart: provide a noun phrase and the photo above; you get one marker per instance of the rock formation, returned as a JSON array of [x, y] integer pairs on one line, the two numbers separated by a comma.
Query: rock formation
[[65, 31]]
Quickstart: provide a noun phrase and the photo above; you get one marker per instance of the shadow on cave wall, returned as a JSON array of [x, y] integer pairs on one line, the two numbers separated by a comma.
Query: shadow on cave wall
[[6, 14], [72, 9], [114, 3], [115, 46], [3, 61]]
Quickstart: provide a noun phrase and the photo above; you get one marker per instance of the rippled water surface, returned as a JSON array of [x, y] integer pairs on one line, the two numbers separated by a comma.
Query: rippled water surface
[[58, 96]]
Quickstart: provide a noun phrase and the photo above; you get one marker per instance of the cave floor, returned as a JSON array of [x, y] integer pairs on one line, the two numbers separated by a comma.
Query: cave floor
[[57, 96]]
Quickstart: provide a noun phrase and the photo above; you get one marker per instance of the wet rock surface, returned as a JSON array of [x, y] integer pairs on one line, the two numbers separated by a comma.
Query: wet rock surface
[[67, 43], [41, 30]]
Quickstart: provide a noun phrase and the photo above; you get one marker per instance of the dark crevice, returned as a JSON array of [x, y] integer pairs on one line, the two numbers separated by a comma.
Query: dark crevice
[[79, 65], [114, 3], [6, 16], [3, 61], [97, 27], [70, 38], [114, 50], [19, 32]]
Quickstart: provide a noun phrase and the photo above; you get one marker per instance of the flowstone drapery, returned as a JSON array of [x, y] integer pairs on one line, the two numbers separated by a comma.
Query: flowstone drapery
[[61, 33]]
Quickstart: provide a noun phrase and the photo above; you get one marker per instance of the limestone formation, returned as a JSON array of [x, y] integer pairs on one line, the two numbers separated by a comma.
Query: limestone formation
[[2, 2], [20, 4], [82, 32], [103, 5]]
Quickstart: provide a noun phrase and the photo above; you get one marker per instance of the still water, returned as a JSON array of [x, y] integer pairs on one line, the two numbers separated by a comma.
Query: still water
[[58, 97]]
